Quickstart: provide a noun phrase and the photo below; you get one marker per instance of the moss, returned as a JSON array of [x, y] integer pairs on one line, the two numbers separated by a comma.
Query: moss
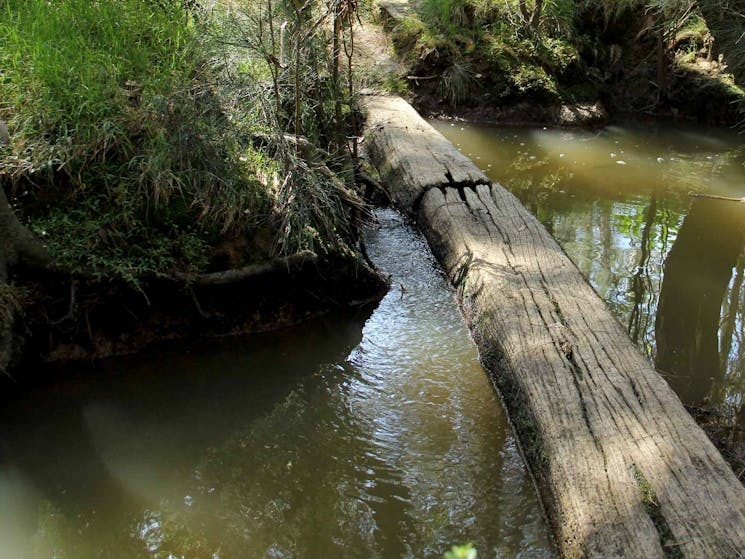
[[652, 507]]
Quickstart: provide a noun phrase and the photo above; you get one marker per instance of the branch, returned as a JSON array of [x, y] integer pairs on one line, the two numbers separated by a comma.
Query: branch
[[370, 182], [716, 197]]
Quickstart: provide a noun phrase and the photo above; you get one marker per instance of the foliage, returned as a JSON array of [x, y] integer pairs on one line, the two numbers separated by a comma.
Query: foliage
[[569, 51], [132, 127], [279, 60], [461, 552], [117, 132], [463, 38], [89, 239]]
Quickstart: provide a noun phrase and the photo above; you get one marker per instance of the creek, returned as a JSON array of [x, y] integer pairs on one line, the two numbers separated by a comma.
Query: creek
[[619, 202], [372, 435]]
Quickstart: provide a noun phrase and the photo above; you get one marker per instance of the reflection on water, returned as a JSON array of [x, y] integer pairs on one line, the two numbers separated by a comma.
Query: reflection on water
[[670, 265], [331, 440]]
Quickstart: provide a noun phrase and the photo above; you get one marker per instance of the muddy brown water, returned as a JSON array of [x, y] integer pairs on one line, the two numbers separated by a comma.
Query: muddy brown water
[[669, 264], [364, 436]]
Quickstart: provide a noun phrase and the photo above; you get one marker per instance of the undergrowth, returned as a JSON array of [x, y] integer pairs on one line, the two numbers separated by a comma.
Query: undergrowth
[[500, 53], [480, 47], [131, 151]]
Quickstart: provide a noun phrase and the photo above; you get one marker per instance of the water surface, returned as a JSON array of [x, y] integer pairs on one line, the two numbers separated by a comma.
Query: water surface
[[669, 264], [351, 437]]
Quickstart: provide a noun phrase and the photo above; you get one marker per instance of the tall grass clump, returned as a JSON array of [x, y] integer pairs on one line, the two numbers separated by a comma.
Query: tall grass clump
[[146, 132], [288, 65], [121, 155]]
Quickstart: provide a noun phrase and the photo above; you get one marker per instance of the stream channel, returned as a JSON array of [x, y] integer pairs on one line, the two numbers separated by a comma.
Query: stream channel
[[378, 435], [669, 264], [363, 436]]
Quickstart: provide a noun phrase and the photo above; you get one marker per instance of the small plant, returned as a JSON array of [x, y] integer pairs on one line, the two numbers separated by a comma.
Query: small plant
[[461, 552], [457, 81]]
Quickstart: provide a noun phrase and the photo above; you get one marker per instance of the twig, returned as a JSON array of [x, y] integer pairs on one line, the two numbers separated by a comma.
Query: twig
[[199, 308], [71, 310], [716, 197]]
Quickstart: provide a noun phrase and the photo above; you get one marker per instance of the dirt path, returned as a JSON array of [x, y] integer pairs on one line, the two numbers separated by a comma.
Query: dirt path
[[374, 58]]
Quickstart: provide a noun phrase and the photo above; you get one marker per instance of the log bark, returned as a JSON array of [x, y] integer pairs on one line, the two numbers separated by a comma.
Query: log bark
[[623, 469], [410, 155]]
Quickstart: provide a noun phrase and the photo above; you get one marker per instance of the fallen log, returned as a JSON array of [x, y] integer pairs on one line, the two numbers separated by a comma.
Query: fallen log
[[623, 470], [409, 157]]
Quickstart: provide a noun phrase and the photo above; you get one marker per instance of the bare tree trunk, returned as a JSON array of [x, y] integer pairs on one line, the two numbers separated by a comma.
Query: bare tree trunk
[[532, 17], [535, 17], [335, 79], [274, 67], [17, 244], [661, 67]]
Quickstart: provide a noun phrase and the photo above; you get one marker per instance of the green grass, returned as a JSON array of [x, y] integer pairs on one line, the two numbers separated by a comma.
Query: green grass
[[130, 164], [75, 71]]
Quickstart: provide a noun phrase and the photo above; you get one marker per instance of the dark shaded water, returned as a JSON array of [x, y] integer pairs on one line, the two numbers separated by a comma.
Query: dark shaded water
[[619, 202], [355, 437]]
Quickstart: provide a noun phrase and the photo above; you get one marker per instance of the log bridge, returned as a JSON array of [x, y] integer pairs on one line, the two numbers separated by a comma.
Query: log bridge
[[622, 469]]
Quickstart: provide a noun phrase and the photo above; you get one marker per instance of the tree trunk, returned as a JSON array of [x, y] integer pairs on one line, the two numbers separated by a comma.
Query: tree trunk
[[339, 133], [532, 16], [17, 244], [535, 17]]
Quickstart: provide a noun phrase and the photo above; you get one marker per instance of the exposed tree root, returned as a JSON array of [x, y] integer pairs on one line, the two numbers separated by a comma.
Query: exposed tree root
[[17, 245], [236, 275]]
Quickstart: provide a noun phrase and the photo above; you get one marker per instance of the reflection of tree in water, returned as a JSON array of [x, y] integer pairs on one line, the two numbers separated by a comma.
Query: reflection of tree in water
[[730, 386], [697, 274], [640, 282]]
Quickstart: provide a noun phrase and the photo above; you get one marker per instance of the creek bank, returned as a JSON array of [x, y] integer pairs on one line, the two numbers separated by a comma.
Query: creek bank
[[74, 318], [623, 469], [580, 115], [469, 63]]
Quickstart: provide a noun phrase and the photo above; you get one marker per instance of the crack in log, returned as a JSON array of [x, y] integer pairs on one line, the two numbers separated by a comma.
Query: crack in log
[[635, 390], [652, 507]]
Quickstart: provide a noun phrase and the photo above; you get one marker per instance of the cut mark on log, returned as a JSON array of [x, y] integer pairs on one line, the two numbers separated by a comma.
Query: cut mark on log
[[652, 507]]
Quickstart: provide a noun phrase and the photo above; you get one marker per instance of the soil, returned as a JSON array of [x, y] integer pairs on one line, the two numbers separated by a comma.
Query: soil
[[96, 319]]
